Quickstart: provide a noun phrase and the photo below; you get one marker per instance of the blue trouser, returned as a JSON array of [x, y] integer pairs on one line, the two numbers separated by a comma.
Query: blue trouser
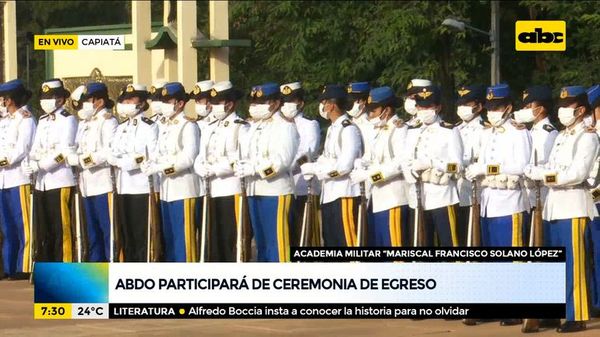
[[97, 210], [388, 228], [340, 221], [594, 232], [270, 218], [14, 223], [502, 231], [571, 234], [179, 220]]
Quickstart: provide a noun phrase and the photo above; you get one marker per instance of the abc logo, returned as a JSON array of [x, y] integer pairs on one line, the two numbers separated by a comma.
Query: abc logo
[[540, 36]]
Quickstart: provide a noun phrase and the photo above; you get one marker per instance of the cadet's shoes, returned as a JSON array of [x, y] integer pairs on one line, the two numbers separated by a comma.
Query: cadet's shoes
[[549, 323], [570, 326], [509, 322], [469, 321]]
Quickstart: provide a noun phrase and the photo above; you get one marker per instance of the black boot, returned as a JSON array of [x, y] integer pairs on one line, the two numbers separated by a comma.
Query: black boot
[[549, 323], [509, 322], [570, 326], [469, 321]]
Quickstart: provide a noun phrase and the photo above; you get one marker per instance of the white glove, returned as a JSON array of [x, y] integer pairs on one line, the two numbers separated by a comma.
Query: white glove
[[72, 159], [420, 165], [361, 164], [308, 170], [358, 176], [203, 170], [125, 163], [113, 160], [475, 170], [244, 169], [535, 172], [221, 168], [149, 169], [29, 167]]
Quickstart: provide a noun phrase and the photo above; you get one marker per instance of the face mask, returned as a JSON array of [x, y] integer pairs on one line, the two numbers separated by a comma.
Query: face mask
[[566, 116], [253, 111], [168, 109], [465, 112], [156, 106], [410, 106], [85, 115], [355, 111], [322, 111], [88, 107], [495, 117], [48, 105], [201, 110], [218, 111], [524, 116], [426, 116], [289, 110], [261, 111], [127, 110]]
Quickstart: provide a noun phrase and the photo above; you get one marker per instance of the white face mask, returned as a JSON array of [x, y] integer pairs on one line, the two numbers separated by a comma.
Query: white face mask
[[465, 112], [566, 116], [218, 111], [524, 116], [355, 111], [127, 110], [156, 107], [48, 105], [88, 107], [322, 112], [168, 109], [85, 115], [495, 117], [426, 116], [289, 110], [261, 111], [201, 110], [410, 106]]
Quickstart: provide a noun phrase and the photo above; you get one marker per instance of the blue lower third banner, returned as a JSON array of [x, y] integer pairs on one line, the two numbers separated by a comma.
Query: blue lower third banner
[[300, 290]]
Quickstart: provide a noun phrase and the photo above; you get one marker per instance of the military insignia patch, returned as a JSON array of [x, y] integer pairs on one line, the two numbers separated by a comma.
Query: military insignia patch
[[59, 159], [377, 177], [333, 174], [196, 90], [226, 123], [130, 88], [369, 100], [45, 88], [213, 93], [548, 127], [349, 89], [152, 90], [596, 194], [451, 168], [3, 162], [259, 93], [490, 95], [268, 172], [463, 92], [252, 93], [88, 160], [164, 92], [139, 160], [169, 171], [493, 170], [550, 178], [525, 94], [409, 85], [564, 93], [425, 94], [286, 90]]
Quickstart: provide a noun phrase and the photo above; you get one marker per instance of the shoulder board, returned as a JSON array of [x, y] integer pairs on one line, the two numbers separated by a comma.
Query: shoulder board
[[447, 125], [414, 125], [213, 122], [548, 127], [399, 123], [241, 121], [191, 119], [65, 113], [308, 117], [147, 121], [346, 123], [107, 115], [518, 126], [458, 123]]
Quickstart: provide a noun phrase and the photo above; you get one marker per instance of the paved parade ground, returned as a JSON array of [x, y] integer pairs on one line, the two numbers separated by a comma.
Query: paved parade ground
[[16, 319]]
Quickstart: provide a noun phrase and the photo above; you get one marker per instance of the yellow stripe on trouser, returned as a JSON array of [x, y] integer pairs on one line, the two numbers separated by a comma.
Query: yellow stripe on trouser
[[452, 222], [395, 221], [236, 205], [190, 242], [348, 221], [517, 230], [65, 214], [283, 244], [580, 305], [392, 226], [24, 191]]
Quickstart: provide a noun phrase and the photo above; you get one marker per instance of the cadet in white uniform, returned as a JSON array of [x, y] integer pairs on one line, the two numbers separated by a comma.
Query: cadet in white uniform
[[358, 92], [155, 102], [433, 148], [200, 94], [470, 107], [16, 136], [537, 105], [310, 138], [177, 147], [343, 145], [410, 105], [268, 155], [214, 164], [569, 206], [134, 138], [94, 136], [54, 140], [381, 166]]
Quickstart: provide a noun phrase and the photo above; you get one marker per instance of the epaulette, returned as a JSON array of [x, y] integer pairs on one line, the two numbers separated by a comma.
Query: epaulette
[[107, 115], [191, 119], [44, 116], [213, 122], [308, 117], [518, 126], [458, 123], [447, 125], [346, 123], [548, 127], [147, 121], [399, 123], [415, 126], [65, 113], [241, 121], [486, 125]]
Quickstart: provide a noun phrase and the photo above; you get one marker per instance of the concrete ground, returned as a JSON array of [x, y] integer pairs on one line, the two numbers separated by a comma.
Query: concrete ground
[[16, 319]]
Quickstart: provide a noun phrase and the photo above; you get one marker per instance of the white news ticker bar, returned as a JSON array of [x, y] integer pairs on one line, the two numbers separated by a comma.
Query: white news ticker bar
[[89, 311], [101, 42], [454, 282]]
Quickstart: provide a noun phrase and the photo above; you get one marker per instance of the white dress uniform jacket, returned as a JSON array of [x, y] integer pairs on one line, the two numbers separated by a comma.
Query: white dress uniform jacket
[[133, 139], [310, 138], [178, 146], [509, 149], [93, 140], [470, 134], [571, 159], [343, 145], [16, 136], [440, 144], [219, 148], [54, 139], [542, 139], [388, 187], [270, 146]]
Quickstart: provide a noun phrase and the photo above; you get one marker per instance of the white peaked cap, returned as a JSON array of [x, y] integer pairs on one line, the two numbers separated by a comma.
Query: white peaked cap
[[418, 82], [76, 94], [292, 86], [205, 85], [222, 86]]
